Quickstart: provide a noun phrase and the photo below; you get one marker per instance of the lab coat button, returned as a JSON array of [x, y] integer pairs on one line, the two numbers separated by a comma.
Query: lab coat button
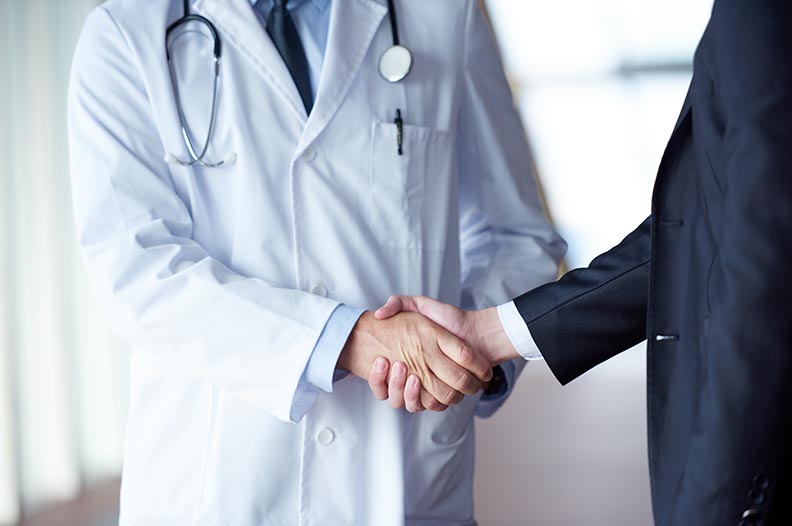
[[325, 436], [319, 290], [309, 155]]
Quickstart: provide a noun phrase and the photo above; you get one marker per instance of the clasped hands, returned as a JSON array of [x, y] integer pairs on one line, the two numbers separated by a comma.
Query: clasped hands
[[420, 353]]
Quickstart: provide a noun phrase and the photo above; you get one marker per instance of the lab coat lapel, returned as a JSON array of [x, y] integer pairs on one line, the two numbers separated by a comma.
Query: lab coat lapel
[[353, 24], [240, 27]]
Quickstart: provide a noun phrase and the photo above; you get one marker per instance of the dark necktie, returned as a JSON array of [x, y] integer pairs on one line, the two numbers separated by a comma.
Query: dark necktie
[[284, 35]]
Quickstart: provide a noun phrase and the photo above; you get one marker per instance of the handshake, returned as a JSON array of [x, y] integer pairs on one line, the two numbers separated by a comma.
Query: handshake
[[420, 353]]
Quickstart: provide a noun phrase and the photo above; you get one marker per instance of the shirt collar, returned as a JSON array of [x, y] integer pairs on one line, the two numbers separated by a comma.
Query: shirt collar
[[320, 4]]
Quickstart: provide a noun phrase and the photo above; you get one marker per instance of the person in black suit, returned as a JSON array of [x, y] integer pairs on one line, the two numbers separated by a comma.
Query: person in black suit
[[704, 279]]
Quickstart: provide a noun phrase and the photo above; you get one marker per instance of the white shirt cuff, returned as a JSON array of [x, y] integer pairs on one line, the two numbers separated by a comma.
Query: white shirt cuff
[[321, 372], [321, 369], [517, 331]]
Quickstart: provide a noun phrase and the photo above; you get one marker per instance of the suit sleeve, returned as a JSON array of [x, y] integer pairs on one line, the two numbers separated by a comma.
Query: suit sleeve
[[507, 244], [181, 308], [745, 405], [592, 313]]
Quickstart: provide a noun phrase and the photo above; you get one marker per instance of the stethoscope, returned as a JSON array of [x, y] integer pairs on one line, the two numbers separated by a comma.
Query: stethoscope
[[197, 157], [394, 65]]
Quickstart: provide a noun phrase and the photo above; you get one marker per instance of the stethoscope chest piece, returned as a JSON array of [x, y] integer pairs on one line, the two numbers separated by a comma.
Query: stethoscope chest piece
[[395, 63]]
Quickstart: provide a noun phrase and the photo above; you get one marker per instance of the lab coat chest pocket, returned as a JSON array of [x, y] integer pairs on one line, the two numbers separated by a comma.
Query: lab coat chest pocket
[[412, 194]]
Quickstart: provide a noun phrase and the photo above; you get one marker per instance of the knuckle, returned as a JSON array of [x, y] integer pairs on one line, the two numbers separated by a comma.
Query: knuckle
[[467, 383], [465, 354], [449, 397], [432, 404]]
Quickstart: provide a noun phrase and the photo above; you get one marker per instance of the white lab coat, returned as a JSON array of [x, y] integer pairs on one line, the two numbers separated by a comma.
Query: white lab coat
[[223, 279]]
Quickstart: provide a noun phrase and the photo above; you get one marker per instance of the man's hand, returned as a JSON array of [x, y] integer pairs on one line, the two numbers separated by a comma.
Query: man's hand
[[481, 329], [446, 367]]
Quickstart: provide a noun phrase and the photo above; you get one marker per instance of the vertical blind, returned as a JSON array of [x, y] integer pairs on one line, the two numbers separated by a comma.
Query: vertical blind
[[62, 372]]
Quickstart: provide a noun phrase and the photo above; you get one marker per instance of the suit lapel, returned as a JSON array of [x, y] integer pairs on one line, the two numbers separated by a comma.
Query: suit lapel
[[240, 27], [671, 153], [353, 24], [685, 109]]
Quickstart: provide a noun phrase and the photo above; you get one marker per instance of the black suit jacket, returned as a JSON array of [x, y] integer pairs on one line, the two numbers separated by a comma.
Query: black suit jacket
[[704, 278]]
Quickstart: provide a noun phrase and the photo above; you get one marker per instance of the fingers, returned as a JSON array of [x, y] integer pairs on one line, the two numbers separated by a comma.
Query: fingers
[[395, 389], [452, 381], [466, 357], [397, 304], [412, 395], [440, 390], [396, 385], [431, 403], [378, 379]]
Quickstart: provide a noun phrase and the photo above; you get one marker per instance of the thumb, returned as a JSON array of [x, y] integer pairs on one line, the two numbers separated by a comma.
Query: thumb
[[397, 304], [392, 307]]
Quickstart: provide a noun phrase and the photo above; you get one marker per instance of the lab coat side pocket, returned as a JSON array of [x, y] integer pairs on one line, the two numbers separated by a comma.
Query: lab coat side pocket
[[166, 446], [412, 194]]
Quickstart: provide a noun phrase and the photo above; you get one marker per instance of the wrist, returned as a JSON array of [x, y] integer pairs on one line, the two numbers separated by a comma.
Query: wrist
[[488, 335], [353, 355]]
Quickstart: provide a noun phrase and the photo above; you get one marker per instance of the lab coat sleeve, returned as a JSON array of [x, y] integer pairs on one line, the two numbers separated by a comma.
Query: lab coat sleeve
[[508, 246], [180, 308], [321, 372]]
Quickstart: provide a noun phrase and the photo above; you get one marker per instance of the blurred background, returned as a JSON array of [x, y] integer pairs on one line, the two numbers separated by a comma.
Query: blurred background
[[599, 83]]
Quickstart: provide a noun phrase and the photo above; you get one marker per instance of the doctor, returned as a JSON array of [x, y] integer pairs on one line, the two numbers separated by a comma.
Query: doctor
[[243, 190]]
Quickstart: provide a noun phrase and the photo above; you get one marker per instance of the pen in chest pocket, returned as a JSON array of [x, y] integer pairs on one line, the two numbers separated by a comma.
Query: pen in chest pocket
[[399, 132]]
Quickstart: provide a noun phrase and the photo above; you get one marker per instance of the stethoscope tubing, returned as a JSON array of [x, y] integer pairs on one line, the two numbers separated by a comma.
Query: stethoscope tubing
[[394, 23], [198, 158]]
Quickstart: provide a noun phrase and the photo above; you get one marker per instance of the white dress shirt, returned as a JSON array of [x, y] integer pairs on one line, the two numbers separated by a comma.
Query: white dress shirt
[[517, 331]]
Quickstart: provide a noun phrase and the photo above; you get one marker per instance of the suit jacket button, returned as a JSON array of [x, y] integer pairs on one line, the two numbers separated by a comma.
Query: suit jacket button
[[756, 496], [761, 482]]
